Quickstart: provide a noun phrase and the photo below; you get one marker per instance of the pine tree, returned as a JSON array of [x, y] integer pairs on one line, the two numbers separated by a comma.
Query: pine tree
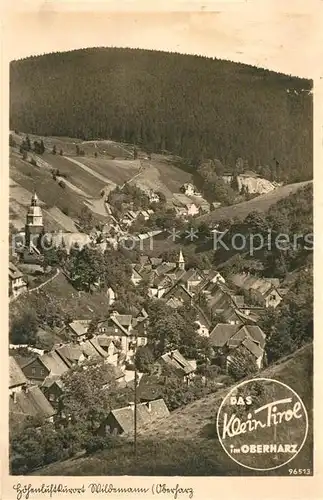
[[27, 144]]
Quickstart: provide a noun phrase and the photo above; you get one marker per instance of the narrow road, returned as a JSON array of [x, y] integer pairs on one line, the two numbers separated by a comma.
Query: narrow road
[[141, 170], [45, 283]]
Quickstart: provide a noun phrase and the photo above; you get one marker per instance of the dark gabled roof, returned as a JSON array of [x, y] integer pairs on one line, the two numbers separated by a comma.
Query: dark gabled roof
[[105, 341], [221, 333], [174, 303], [52, 379], [256, 334], [90, 351], [175, 360], [191, 275], [261, 285], [252, 317], [97, 346], [253, 348], [124, 319], [165, 268], [31, 402], [162, 280], [114, 320], [16, 375], [80, 327], [53, 362], [70, 352], [146, 413]]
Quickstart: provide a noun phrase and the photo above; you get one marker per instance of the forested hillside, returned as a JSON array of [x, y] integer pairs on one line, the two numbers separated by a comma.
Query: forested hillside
[[192, 106]]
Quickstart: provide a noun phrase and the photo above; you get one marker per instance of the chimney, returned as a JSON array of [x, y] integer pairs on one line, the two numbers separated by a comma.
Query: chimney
[[171, 355], [114, 314], [14, 397], [131, 405], [148, 405]]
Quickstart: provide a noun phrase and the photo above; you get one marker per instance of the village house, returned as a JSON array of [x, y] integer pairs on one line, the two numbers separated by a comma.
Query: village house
[[264, 291], [121, 420], [203, 323], [191, 279], [125, 331], [17, 379], [175, 362], [109, 347], [225, 337], [41, 367], [17, 284], [77, 329], [53, 389], [220, 303], [178, 292], [135, 276], [26, 400], [30, 402], [184, 206]]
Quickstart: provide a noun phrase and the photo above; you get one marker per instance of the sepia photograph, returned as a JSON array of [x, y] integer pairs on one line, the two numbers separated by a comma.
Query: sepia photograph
[[160, 246]]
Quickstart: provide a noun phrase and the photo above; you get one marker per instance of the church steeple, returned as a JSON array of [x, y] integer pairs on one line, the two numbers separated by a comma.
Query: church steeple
[[34, 200], [181, 261], [34, 223]]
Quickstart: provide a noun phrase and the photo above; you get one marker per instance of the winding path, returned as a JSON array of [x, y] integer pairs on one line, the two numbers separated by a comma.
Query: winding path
[[45, 282]]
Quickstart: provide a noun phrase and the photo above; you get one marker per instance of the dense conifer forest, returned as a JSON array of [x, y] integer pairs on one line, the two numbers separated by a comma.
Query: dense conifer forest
[[192, 106]]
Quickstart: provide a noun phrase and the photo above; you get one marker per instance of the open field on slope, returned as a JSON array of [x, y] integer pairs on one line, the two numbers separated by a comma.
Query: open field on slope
[[75, 174], [37, 179], [68, 145], [160, 175], [117, 171], [69, 200], [185, 443], [19, 201], [91, 175], [261, 203]]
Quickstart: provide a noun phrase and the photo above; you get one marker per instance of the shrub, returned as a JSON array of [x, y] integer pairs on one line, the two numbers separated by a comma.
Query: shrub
[[62, 184], [96, 443], [33, 162]]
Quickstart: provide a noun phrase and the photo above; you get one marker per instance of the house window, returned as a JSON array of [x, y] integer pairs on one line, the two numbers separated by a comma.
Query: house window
[[33, 371], [51, 397], [42, 372]]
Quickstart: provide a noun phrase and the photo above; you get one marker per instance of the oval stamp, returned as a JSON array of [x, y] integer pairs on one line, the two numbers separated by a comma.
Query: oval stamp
[[262, 424]]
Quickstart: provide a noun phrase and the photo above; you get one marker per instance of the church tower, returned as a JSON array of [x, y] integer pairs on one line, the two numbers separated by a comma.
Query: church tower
[[181, 261], [34, 224]]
